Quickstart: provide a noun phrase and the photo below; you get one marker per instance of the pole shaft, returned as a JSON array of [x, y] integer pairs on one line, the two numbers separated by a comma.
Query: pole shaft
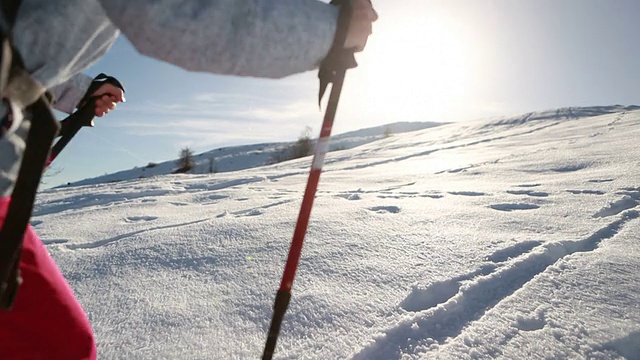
[[322, 147]]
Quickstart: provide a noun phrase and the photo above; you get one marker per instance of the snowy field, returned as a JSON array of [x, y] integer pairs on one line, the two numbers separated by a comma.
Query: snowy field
[[510, 239]]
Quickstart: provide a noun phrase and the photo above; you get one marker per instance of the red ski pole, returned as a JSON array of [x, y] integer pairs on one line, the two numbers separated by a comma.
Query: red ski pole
[[333, 71]]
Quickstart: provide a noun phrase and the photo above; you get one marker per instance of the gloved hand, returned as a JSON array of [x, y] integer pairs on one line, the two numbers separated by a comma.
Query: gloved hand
[[360, 27], [106, 92]]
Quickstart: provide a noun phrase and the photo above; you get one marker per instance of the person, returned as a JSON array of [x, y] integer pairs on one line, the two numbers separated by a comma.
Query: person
[[45, 302], [59, 39]]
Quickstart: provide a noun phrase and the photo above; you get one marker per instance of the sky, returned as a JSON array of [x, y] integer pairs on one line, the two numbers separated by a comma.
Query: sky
[[444, 61], [474, 240]]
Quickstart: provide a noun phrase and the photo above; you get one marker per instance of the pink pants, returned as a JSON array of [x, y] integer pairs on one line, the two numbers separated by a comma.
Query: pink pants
[[46, 321]]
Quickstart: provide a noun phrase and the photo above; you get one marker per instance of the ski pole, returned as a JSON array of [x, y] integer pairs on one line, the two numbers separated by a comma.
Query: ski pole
[[36, 157], [73, 123], [83, 116], [333, 71]]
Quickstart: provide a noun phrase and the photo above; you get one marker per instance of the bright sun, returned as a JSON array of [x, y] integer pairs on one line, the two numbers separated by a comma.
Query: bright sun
[[416, 69]]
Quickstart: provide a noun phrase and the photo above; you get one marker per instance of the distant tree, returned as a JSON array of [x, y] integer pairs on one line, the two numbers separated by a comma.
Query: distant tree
[[387, 131], [185, 160], [301, 148], [304, 146], [212, 166], [279, 156]]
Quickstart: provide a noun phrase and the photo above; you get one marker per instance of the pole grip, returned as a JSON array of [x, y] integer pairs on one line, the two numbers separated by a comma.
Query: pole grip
[[339, 58]]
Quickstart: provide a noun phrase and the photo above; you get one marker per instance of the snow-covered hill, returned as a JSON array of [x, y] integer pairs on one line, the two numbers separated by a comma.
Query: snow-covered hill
[[514, 238], [242, 157]]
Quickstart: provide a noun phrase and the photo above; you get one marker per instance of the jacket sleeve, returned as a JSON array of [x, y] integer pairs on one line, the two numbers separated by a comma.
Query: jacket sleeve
[[68, 94], [261, 38]]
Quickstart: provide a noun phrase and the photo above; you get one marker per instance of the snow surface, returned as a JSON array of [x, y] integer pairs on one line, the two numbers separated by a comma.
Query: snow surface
[[509, 239]]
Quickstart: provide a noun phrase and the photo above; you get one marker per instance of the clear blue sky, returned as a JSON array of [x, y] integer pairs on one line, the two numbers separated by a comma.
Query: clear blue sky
[[445, 60]]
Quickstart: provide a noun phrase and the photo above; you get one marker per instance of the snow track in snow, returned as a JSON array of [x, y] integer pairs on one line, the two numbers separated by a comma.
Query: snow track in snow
[[451, 305], [513, 207], [103, 242], [528, 192]]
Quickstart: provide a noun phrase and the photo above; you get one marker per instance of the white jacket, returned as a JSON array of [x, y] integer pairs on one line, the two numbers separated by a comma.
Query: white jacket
[[58, 39]]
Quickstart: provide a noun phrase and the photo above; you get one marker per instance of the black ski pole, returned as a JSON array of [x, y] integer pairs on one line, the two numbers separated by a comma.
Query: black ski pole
[[84, 115], [72, 124], [333, 71], [35, 158]]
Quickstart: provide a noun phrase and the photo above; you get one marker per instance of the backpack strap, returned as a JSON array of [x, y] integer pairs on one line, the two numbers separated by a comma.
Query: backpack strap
[[19, 88], [43, 129]]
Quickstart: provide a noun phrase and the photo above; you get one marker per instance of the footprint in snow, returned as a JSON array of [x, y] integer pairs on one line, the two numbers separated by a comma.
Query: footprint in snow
[[350, 196], [385, 209], [213, 199], [252, 212], [616, 207], [139, 218], [570, 167], [513, 207], [454, 171], [178, 203], [391, 197], [587, 192], [528, 185], [422, 298], [216, 197], [528, 192], [467, 193], [631, 191], [432, 196], [54, 241], [530, 323], [35, 223], [600, 180]]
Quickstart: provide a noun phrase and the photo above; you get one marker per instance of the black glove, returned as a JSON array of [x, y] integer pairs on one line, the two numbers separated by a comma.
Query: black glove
[[95, 85], [65, 125]]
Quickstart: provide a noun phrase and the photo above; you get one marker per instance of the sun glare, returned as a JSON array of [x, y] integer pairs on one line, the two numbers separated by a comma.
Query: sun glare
[[416, 69]]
